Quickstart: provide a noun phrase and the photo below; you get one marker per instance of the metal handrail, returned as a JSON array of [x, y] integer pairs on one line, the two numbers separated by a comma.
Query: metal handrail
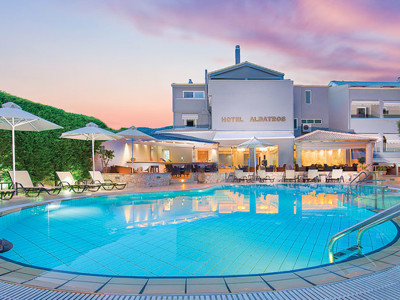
[[358, 175], [383, 214], [361, 232], [365, 178]]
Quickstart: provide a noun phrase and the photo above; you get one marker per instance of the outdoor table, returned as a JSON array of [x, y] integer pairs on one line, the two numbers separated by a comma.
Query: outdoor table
[[322, 175]]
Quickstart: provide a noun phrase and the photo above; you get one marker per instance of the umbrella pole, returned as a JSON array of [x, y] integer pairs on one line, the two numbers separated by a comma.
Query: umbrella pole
[[255, 163], [13, 152], [132, 156], [93, 155]]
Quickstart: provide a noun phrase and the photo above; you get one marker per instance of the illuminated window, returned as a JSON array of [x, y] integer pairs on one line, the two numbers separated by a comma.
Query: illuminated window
[[166, 154]]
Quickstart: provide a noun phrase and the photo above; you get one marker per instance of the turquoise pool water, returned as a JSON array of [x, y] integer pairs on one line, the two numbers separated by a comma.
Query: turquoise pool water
[[226, 230]]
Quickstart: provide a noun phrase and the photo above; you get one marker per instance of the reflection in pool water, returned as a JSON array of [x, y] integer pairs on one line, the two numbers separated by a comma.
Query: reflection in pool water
[[226, 230]]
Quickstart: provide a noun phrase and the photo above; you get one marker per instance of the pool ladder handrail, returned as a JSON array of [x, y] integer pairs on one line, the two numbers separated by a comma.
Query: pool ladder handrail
[[358, 176], [362, 226], [365, 179]]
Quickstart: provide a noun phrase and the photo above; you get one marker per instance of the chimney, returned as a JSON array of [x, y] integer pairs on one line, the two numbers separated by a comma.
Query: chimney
[[237, 54]]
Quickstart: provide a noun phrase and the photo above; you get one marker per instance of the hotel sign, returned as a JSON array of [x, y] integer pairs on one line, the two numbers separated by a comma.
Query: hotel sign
[[253, 119]]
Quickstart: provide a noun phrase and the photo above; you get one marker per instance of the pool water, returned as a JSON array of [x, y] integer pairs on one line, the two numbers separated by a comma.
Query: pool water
[[225, 230]]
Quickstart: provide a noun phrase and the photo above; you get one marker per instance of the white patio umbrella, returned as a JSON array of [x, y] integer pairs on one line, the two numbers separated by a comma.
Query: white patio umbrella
[[91, 132], [13, 118], [135, 135], [254, 143]]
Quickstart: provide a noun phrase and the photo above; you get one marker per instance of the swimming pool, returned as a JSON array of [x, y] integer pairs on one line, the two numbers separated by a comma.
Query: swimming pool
[[224, 230]]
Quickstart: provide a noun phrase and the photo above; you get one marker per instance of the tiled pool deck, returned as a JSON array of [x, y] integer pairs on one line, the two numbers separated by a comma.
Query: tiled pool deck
[[15, 275]]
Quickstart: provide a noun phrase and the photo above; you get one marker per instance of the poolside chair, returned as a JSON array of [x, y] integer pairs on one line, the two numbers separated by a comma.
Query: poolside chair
[[24, 182], [106, 184], [262, 176], [68, 181], [311, 175], [239, 176], [289, 176], [335, 176], [6, 193]]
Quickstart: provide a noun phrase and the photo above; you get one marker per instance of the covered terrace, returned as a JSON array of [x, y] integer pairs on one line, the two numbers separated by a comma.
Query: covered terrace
[[334, 148]]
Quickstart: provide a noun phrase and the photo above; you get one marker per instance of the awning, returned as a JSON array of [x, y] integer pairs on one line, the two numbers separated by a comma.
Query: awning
[[391, 103], [365, 102], [246, 135], [190, 117], [392, 138]]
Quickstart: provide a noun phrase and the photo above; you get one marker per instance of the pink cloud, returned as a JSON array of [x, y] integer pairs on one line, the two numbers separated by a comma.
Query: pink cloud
[[356, 38]]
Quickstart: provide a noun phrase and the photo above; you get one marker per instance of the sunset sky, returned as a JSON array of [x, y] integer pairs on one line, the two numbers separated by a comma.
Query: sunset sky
[[116, 60]]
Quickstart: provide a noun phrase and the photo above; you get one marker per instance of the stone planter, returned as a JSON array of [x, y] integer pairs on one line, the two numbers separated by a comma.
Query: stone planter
[[201, 177]]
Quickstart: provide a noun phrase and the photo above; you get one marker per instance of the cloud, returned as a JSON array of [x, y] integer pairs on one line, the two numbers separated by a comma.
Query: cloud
[[358, 38]]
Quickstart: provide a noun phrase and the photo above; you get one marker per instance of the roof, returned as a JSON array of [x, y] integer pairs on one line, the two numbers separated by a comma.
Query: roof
[[365, 83], [332, 136], [271, 73]]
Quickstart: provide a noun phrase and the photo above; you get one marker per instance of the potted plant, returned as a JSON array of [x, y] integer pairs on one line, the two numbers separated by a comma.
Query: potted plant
[[382, 170], [201, 177], [361, 162], [265, 163]]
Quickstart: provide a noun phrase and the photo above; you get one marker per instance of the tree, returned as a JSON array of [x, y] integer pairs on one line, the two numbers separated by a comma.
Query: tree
[[106, 156]]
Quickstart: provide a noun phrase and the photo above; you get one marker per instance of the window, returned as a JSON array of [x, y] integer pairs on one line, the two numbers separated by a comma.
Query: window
[[307, 95], [311, 121], [362, 112], [190, 123], [166, 154], [296, 126], [194, 95]]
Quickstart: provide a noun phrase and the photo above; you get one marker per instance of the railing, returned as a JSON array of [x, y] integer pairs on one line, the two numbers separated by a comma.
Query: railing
[[361, 232], [362, 226], [365, 179], [358, 176]]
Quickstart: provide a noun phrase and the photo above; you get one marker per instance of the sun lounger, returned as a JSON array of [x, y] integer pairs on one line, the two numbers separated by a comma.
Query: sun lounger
[[335, 176], [311, 175], [289, 176], [68, 181], [263, 176], [106, 184], [239, 176], [6, 192], [24, 182]]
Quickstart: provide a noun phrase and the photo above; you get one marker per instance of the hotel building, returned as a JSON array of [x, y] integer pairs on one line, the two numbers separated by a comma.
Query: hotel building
[[325, 124]]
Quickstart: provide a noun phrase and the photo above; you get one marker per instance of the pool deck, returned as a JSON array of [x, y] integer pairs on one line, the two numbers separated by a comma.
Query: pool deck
[[367, 276]]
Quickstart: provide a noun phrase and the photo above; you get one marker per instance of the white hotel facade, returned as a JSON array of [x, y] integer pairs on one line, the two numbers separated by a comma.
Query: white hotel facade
[[307, 124]]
